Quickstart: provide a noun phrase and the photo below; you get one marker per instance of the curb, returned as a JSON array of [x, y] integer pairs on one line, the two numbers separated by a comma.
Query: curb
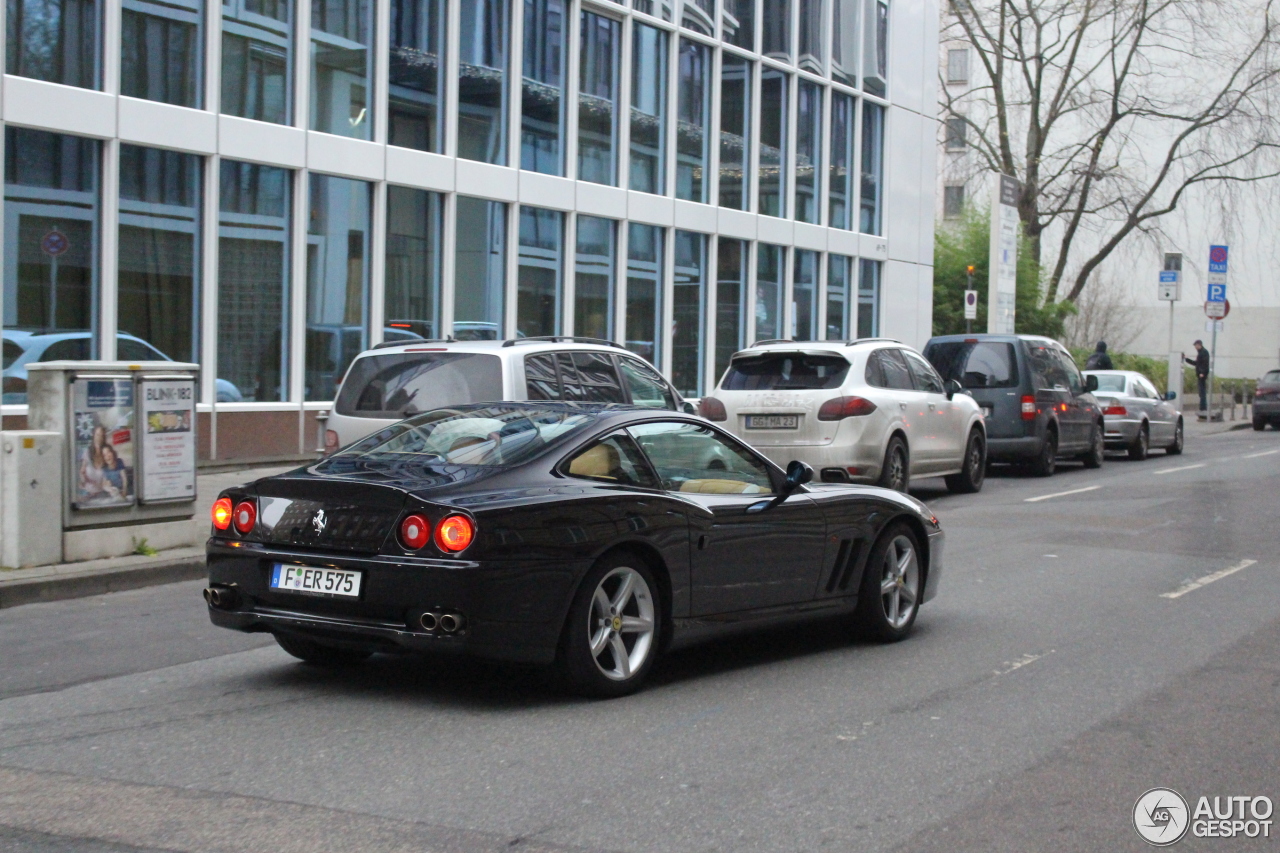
[[18, 592]]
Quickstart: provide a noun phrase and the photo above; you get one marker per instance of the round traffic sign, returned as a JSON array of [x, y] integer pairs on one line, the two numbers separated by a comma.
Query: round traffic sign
[[1217, 310], [54, 243], [1218, 254], [971, 298]]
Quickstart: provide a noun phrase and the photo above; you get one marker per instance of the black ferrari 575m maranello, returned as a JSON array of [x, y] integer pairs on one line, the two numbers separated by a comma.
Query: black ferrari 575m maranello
[[589, 536]]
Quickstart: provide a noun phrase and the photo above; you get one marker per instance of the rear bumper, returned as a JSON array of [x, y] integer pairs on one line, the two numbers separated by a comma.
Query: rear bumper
[[1010, 449], [1267, 408], [511, 611], [1121, 432], [867, 459]]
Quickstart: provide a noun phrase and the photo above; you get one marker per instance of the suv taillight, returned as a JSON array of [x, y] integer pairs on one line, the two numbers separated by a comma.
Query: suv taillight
[[839, 408], [1028, 407], [330, 441], [712, 409]]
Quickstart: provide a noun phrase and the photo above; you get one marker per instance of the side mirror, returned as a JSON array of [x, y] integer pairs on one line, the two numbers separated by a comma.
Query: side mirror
[[688, 408], [1171, 395], [798, 473], [1090, 383], [953, 387]]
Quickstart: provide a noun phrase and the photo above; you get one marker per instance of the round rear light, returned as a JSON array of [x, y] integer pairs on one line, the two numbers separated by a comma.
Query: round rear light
[[415, 532], [222, 513], [246, 516], [455, 533]]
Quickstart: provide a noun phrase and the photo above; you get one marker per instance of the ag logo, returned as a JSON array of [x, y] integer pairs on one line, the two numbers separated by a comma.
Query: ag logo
[[1161, 817]]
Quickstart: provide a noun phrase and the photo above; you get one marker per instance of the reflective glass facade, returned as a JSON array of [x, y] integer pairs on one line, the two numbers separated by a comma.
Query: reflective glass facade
[[708, 174]]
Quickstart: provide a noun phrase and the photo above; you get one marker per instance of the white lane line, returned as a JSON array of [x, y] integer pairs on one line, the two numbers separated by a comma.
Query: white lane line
[[1263, 453], [1207, 579], [1061, 494], [1183, 468]]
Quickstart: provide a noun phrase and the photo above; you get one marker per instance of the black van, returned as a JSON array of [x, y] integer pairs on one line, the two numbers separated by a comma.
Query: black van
[[1037, 405]]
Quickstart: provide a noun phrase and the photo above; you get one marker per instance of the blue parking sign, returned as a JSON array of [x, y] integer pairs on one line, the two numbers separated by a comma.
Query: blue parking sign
[[1217, 293]]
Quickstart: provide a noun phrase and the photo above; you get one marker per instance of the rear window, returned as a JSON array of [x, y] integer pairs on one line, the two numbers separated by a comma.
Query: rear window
[[495, 435], [786, 372], [1110, 383], [975, 364], [398, 385], [1272, 376]]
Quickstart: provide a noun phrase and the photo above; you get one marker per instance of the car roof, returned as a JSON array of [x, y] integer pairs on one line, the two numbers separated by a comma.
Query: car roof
[[512, 345], [859, 345], [984, 336]]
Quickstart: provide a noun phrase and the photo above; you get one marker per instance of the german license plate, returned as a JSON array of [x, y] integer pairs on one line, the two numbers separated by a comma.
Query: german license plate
[[315, 581], [773, 421]]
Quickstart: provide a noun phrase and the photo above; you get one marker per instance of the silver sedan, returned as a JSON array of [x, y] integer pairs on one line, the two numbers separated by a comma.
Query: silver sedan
[[1137, 416]]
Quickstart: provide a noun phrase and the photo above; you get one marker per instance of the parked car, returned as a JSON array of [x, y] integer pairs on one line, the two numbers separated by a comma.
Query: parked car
[[22, 348], [391, 382], [1266, 401], [1037, 406], [558, 532], [866, 411], [1137, 416]]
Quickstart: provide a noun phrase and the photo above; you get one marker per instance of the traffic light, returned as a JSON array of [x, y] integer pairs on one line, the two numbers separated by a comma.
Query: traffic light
[[969, 269]]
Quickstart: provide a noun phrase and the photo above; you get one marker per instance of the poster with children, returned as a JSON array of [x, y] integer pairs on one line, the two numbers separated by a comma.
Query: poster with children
[[103, 465]]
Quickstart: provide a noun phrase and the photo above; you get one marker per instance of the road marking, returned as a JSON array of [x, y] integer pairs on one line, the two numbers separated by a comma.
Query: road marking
[[1183, 468], [1011, 666], [1263, 453], [1062, 494], [1207, 579]]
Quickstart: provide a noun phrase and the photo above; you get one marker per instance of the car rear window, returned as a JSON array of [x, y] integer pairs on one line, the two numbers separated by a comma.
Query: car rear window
[[397, 385], [786, 372], [1273, 376], [975, 364], [1110, 382]]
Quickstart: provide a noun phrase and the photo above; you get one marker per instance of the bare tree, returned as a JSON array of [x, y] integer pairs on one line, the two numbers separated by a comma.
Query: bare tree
[[1110, 111], [1104, 313]]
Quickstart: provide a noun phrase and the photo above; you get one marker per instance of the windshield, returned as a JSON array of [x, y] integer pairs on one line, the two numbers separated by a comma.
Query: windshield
[[975, 364], [489, 436], [786, 371], [397, 385], [1110, 382]]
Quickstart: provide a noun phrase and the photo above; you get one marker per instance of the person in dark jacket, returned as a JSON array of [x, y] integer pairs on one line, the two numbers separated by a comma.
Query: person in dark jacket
[[1201, 364], [1098, 359]]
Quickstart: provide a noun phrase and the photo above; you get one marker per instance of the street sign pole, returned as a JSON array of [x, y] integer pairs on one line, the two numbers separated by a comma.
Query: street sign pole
[[1217, 293], [1171, 291]]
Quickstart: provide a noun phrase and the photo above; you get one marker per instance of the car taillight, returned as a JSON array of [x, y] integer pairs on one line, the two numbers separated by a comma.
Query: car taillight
[[455, 533], [1028, 408], [222, 513], [839, 408], [712, 409], [1115, 410], [245, 516], [415, 532], [330, 441]]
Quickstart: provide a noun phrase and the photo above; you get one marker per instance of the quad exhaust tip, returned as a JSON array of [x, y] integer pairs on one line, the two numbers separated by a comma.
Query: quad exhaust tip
[[217, 596], [448, 623]]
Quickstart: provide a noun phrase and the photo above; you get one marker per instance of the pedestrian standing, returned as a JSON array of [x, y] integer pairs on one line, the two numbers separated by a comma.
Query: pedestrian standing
[[1201, 364], [1098, 359]]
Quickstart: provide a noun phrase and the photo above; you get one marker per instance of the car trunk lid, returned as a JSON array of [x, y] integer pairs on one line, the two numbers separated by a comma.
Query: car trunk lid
[[772, 398]]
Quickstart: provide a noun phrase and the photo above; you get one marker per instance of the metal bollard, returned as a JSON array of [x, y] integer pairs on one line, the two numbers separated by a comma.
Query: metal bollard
[[322, 418]]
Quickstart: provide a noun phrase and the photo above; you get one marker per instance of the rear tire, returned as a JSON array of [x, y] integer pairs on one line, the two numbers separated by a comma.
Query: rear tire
[[616, 602], [319, 654], [974, 472], [1047, 460], [1178, 439], [1259, 424], [892, 585], [1141, 444], [896, 472]]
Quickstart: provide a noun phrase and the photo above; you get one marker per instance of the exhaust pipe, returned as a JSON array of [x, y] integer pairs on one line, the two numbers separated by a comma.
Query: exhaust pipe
[[450, 622], [216, 596], [429, 621]]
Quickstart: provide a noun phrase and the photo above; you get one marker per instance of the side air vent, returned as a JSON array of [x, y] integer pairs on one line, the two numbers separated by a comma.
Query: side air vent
[[855, 554], [842, 558]]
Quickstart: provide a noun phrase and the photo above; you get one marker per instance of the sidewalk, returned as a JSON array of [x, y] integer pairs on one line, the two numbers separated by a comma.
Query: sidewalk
[[94, 577]]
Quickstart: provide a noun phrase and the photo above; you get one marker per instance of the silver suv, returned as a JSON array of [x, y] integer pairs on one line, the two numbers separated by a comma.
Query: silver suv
[[392, 381]]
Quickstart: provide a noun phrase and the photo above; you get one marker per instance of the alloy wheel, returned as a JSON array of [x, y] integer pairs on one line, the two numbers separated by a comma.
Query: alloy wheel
[[621, 625], [897, 479], [900, 582]]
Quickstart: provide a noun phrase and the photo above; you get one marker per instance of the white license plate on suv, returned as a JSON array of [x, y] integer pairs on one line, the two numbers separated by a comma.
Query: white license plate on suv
[[773, 421], [315, 581]]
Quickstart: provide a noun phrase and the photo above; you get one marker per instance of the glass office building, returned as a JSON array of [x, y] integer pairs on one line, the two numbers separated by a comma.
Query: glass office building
[[268, 187]]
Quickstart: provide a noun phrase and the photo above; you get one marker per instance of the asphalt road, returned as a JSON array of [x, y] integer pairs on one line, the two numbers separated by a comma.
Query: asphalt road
[[1050, 684]]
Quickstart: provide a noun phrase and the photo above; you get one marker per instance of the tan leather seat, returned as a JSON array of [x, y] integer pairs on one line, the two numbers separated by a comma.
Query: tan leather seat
[[600, 462], [720, 487]]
